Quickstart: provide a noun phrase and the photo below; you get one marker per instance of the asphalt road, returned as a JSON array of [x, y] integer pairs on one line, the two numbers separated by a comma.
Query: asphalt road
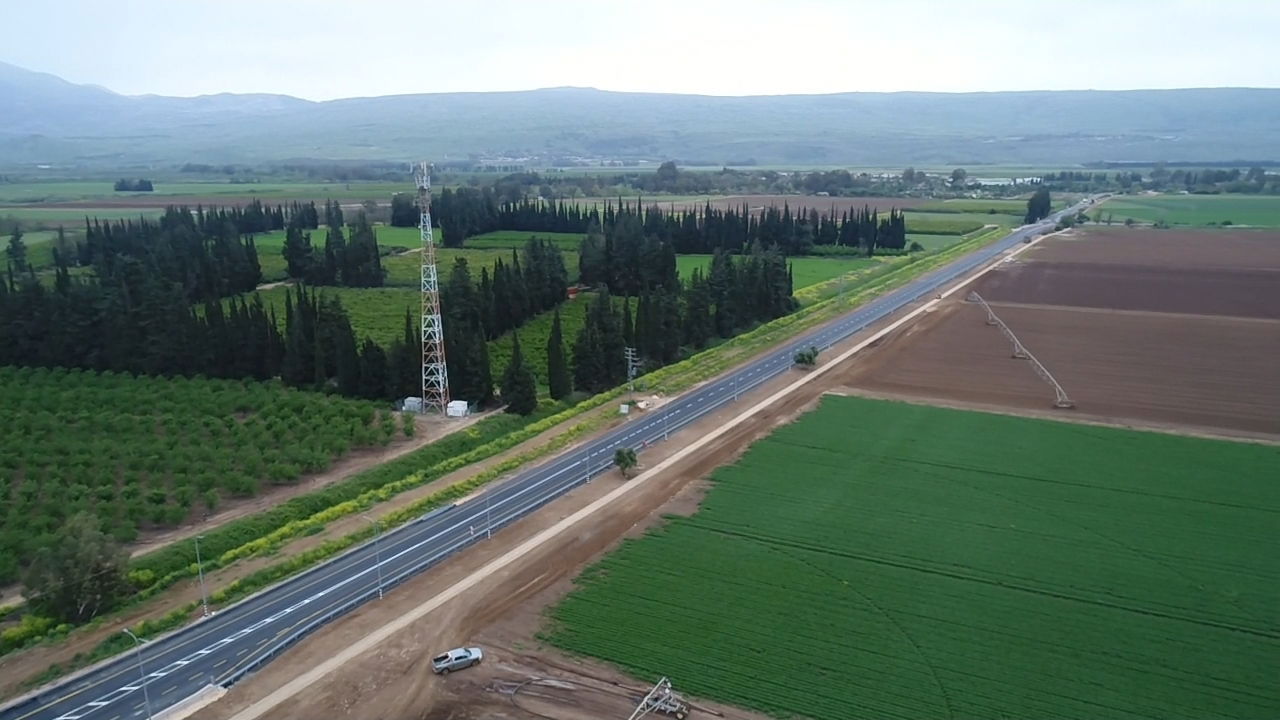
[[243, 637]]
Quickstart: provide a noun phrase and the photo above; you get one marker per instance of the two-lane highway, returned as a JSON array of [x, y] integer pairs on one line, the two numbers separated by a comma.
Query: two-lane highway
[[243, 637]]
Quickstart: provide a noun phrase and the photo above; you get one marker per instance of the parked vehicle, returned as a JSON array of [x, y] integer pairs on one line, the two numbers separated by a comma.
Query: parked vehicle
[[456, 659]]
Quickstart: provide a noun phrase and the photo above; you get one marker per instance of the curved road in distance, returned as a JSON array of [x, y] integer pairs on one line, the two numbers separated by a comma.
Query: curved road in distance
[[223, 648]]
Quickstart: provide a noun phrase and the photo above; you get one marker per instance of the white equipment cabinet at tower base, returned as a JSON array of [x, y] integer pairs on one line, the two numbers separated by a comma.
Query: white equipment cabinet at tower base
[[457, 408], [411, 404]]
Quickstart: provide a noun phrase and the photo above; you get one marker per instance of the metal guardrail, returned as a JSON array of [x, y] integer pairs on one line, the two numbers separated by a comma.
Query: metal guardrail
[[403, 575]]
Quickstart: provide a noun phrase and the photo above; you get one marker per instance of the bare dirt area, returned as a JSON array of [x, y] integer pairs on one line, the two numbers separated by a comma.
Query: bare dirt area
[[1154, 344], [505, 612], [1197, 291], [1148, 247]]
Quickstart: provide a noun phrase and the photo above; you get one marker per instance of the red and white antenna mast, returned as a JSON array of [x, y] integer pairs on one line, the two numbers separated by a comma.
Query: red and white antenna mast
[[435, 374]]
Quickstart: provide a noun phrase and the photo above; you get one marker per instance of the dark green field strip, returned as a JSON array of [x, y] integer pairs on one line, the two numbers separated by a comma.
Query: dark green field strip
[[887, 560]]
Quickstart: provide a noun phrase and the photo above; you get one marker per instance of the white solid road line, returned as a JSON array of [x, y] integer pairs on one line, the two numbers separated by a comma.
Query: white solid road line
[[354, 650]]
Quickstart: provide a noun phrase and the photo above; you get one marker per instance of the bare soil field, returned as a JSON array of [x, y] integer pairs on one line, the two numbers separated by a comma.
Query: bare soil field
[[1162, 343], [1148, 247], [1205, 291]]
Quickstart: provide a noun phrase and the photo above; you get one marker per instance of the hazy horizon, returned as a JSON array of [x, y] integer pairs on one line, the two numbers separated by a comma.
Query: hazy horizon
[[328, 50]]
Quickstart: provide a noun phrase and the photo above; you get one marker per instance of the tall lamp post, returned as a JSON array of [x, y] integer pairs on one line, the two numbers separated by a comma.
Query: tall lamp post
[[137, 645], [488, 519], [204, 596], [377, 551]]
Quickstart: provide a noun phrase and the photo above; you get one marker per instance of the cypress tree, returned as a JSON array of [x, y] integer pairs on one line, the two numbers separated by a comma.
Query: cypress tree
[[628, 329], [589, 373], [346, 357], [559, 382], [297, 252], [373, 371], [519, 390]]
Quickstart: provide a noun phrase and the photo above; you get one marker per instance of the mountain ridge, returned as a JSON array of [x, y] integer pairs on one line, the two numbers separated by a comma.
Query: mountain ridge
[[47, 119]]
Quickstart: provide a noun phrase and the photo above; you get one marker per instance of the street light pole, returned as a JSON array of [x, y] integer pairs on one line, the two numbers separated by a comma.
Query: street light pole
[[137, 645], [204, 596], [377, 550], [488, 521]]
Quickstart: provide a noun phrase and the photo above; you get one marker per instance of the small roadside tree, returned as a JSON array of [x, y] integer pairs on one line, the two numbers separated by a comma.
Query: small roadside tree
[[79, 575], [806, 358], [625, 459]]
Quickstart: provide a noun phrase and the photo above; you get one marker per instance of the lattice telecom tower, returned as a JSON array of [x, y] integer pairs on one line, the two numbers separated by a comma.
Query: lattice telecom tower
[[435, 374]]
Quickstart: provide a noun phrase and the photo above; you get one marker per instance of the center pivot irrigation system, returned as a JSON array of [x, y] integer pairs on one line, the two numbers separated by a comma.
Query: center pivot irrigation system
[[661, 700], [1022, 353]]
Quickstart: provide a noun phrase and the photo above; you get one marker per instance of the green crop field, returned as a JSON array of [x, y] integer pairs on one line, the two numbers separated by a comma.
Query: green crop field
[[533, 339], [933, 242], [806, 270], [518, 238], [73, 218], [953, 223], [376, 313], [404, 270], [142, 452], [886, 560], [991, 206], [1256, 210], [40, 246]]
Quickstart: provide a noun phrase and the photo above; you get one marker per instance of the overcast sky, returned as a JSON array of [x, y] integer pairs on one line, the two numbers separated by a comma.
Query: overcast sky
[[322, 49]]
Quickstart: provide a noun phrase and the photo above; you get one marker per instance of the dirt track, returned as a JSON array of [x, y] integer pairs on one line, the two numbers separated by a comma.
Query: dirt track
[[1166, 344]]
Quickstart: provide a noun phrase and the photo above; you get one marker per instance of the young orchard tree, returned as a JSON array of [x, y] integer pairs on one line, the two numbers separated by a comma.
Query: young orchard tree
[[625, 459]]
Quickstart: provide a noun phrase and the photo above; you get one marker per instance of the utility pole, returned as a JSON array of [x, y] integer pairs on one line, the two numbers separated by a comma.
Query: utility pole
[[204, 596], [137, 645], [633, 365], [377, 551]]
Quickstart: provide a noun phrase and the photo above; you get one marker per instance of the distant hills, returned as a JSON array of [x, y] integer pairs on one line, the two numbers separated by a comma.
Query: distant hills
[[45, 119]]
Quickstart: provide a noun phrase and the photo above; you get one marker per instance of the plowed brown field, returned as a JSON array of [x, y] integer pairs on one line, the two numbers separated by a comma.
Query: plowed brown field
[[1189, 338]]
